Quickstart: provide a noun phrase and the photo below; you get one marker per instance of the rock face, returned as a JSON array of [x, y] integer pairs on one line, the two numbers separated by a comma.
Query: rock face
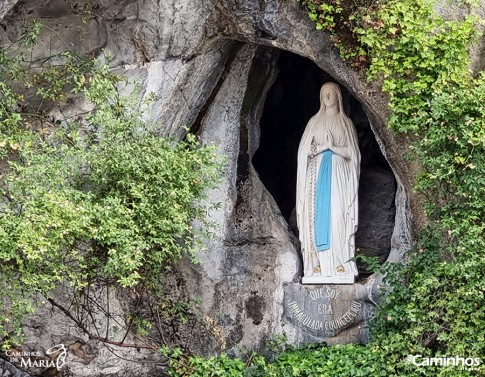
[[218, 66], [7, 369]]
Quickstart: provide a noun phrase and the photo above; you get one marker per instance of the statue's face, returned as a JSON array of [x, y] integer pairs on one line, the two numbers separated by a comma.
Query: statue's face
[[330, 98]]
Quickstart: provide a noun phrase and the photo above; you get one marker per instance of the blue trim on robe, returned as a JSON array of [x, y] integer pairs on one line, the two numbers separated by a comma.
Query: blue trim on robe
[[323, 202]]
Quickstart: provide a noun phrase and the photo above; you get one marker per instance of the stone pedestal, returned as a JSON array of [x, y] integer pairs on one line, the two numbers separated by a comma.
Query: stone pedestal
[[345, 279]]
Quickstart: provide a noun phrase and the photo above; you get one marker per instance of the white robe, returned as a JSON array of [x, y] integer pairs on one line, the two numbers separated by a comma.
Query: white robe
[[344, 189]]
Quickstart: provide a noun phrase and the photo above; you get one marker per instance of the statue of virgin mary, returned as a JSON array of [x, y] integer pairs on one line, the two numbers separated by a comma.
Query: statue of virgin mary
[[327, 187]]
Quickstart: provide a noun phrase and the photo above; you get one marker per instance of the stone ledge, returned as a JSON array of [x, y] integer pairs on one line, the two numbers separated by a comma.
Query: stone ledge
[[346, 279]]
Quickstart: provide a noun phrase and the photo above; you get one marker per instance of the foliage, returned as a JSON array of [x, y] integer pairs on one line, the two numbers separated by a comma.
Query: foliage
[[316, 360], [220, 366], [341, 18], [440, 307], [310, 360], [415, 53], [403, 43], [88, 199]]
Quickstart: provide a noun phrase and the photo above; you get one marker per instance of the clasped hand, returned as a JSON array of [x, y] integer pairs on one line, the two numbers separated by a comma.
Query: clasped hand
[[328, 144]]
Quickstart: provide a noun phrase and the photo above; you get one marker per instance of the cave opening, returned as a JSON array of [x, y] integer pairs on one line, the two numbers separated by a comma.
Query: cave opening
[[290, 102]]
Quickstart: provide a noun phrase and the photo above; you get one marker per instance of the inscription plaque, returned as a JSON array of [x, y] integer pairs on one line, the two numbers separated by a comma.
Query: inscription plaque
[[322, 312], [331, 325]]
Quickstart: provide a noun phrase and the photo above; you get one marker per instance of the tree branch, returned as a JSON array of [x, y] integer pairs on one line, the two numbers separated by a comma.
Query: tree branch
[[95, 337]]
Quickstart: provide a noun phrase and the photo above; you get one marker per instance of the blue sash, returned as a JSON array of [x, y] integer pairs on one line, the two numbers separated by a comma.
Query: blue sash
[[323, 202]]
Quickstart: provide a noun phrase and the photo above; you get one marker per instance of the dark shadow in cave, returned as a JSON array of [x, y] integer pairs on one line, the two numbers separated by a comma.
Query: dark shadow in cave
[[291, 102]]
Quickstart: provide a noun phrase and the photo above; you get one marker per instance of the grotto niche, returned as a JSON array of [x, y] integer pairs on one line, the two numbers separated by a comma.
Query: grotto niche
[[291, 101]]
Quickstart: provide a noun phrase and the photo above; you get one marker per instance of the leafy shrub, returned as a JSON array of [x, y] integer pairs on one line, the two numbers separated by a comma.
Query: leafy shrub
[[92, 199], [310, 360], [220, 366]]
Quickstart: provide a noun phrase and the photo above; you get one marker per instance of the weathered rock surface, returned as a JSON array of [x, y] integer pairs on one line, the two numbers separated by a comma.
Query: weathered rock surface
[[240, 278], [7, 369], [211, 64]]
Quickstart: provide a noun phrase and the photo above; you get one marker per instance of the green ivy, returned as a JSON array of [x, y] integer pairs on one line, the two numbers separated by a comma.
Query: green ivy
[[97, 198], [310, 360]]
